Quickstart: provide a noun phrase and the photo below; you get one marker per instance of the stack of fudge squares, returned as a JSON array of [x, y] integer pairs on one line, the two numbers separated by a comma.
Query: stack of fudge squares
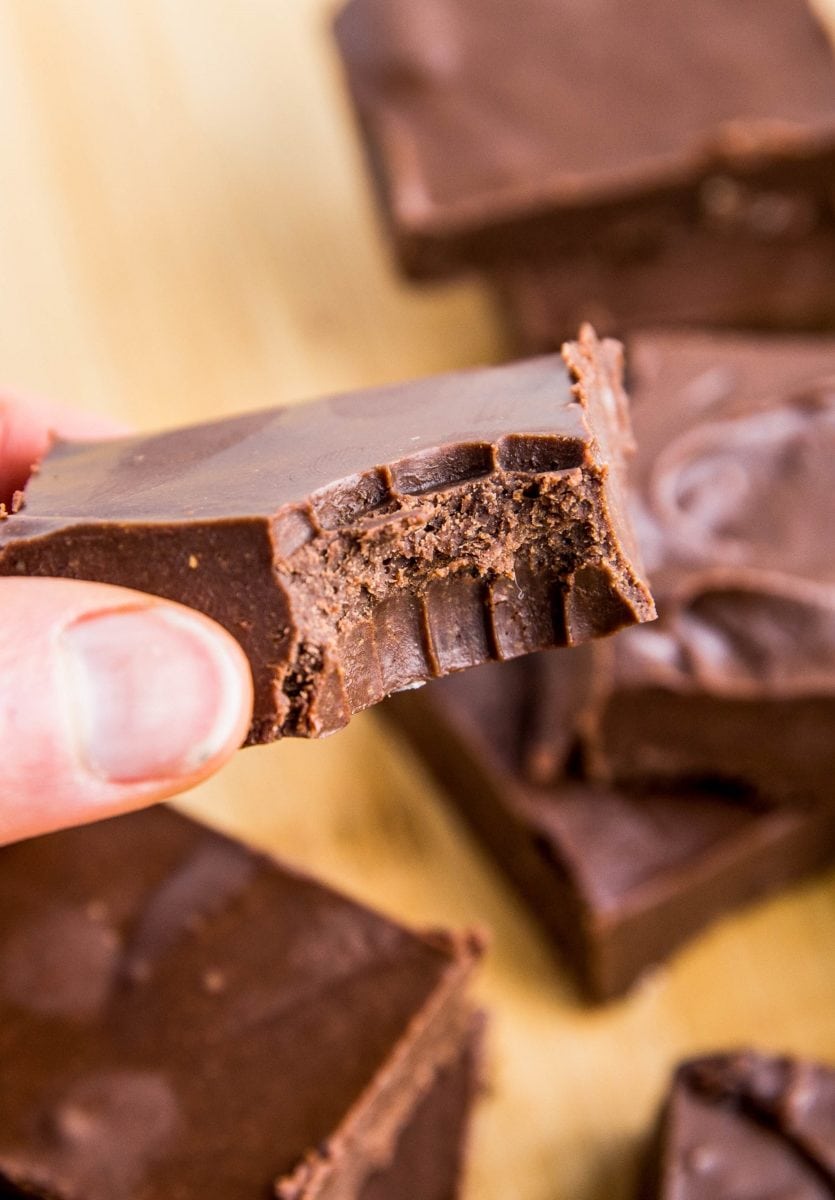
[[667, 172], [183, 1018]]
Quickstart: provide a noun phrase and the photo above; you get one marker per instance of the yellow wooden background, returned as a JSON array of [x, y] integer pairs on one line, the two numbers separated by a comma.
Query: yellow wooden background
[[185, 232]]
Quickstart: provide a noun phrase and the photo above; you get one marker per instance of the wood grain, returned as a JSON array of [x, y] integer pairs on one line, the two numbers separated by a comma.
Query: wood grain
[[185, 231]]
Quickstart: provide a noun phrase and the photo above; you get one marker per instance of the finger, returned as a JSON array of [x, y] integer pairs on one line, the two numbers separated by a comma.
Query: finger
[[109, 700], [27, 427]]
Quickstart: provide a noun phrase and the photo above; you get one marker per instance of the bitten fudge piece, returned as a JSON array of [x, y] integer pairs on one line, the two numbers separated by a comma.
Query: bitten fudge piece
[[180, 1017], [734, 500], [618, 877], [363, 543], [619, 162], [746, 1125]]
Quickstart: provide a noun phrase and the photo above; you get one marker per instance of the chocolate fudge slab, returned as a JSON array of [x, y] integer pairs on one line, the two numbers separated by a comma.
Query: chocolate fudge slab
[[619, 878], [428, 1161], [180, 1017], [742, 1125], [734, 500], [619, 162], [363, 543], [697, 277], [547, 129]]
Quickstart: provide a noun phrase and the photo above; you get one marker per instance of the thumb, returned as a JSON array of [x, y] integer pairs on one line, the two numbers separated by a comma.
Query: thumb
[[109, 700]]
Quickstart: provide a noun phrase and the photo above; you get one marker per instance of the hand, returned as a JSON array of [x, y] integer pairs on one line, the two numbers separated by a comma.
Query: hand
[[109, 699]]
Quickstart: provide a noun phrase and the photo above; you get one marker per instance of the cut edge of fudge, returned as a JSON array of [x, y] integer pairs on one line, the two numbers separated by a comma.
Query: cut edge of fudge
[[498, 218], [740, 851], [432, 1138], [201, 877], [688, 277], [380, 1116], [734, 1117], [474, 549]]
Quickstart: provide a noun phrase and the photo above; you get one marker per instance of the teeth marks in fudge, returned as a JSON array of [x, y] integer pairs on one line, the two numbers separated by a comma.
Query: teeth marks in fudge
[[634, 791], [365, 543]]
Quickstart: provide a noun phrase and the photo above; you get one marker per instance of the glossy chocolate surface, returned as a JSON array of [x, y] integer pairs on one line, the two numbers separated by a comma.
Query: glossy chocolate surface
[[500, 131], [363, 543], [734, 500], [745, 1125], [180, 1017]]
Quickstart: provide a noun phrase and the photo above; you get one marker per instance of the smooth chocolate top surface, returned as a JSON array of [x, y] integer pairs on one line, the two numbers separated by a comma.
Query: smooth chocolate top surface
[[735, 510], [362, 543], [179, 1017], [735, 442], [746, 1126], [421, 435], [479, 109]]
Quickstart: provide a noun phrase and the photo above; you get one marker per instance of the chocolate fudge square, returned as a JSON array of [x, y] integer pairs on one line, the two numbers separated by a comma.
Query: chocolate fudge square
[[181, 1017], [733, 496], [619, 877], [745, 1126], [633, 792], [622, 162], [362, 543]]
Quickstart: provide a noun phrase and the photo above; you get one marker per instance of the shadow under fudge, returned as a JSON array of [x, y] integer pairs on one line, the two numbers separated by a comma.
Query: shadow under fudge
[[179, 1016], [625, 163], [744, 1124], [364, 543], [619, 877]]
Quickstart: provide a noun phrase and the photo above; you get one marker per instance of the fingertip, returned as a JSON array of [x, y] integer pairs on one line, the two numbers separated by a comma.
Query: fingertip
[[158, 693], [120, 700], [28, 426]]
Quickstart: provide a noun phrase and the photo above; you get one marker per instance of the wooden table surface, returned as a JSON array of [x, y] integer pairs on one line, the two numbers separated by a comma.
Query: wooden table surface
[[185, 232]]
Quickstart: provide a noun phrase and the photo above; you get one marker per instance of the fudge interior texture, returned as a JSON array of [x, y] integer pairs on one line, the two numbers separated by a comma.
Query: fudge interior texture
[[522, 133], [179, 1016], [641, 788], [366, 543], [745, 1124]]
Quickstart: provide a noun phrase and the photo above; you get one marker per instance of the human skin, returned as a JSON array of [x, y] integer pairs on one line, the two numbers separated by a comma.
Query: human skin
[[109, 699]]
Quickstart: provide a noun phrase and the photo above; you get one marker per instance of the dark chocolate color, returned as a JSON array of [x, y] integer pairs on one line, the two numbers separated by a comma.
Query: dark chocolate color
[[489, 124], [362, 543], [618, 877], [623, 162], [699, 273], [735, 504], [667, 751], [180, 1017], [429, 1157], [746, 1126]]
